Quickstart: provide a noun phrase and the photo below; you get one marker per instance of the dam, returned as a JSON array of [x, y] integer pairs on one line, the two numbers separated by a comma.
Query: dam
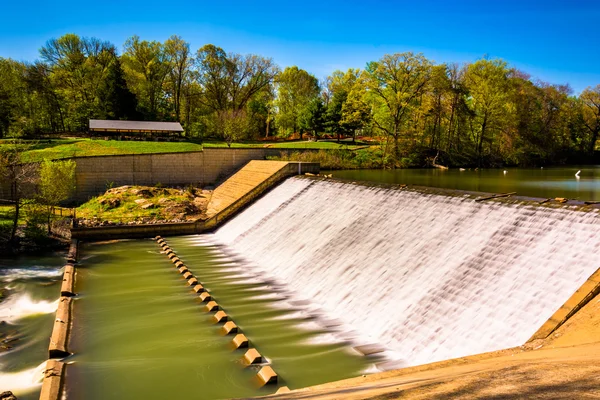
[[328, 280]]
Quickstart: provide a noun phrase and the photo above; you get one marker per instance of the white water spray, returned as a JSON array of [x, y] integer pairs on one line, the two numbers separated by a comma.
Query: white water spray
[[430, 277], [22, 382], [21, 305]]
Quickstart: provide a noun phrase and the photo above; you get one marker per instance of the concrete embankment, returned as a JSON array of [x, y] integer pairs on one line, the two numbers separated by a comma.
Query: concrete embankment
[[253, 180], [58, 348]]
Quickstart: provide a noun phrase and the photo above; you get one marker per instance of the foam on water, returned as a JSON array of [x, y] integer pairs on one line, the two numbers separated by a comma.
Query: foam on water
[[430, 277], [22, 382], [21, 305]]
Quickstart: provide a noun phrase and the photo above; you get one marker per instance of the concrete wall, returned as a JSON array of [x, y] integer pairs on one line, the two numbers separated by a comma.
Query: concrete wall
[[207, 167]]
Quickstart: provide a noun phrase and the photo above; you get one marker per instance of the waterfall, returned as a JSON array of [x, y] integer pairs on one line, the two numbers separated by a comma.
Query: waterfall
[[429, 277]]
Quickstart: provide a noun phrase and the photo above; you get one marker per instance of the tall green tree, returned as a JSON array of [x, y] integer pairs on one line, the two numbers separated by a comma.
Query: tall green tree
[[590, 98], [178, 51], [395, 85], [488, 86], [147, 66], [116, 100], [296, 88]]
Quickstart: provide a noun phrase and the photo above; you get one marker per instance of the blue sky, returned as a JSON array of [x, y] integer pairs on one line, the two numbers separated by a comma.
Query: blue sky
[[555, 41]]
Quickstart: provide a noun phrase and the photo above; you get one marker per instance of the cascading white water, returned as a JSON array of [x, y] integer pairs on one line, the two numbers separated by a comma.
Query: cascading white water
[[430, 277]]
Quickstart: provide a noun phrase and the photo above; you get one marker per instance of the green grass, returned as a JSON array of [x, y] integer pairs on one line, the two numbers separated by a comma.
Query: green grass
[[288, 145], [65, 148]]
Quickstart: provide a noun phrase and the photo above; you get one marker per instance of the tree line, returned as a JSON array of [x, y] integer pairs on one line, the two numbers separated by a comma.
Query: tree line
[[481, 113]]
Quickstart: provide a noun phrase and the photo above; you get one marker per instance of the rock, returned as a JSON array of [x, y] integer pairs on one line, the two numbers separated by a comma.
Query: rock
[[8, 395]]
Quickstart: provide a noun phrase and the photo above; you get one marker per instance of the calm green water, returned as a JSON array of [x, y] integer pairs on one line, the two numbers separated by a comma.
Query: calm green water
[[533, 182], [32, 286], [140, 331]]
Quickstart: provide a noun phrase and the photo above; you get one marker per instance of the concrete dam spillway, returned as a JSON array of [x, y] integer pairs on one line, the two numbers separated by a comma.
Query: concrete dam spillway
[[429, 277]]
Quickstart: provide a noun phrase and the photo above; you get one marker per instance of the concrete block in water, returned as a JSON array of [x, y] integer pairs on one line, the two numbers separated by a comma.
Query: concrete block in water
[[52, 383], [266, 375], [60, 332], [240, 340], [187, 275], [199, 288], [252, 356], [179, 264], [68, 284], [283, 389], [192, 281], [212, 306], [165, 246], [220, 316], [173, 256], [205, 297], [183, 270], [230, 327]]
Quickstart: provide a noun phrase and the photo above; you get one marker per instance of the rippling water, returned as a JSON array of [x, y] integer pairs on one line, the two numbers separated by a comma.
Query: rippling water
[[32, 284], [430, 277], [140, 331]]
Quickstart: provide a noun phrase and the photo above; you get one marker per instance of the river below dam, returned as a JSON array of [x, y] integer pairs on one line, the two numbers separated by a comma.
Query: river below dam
[[313, 272], [31, 286], [549, 182]]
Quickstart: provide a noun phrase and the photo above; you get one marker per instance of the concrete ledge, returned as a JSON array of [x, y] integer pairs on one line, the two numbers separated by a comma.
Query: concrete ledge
[[266, 375], [580, 298], [220, 316], [240, 340], [72, 255], [252, 356], [60, 333], [229, 328], [53, 380], [67, 287], [188, 228], [205, 297]]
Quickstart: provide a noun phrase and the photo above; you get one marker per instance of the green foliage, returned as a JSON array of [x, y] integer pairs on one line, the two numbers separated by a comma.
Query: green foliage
[[57, 181], [482, 113], [296, 88]]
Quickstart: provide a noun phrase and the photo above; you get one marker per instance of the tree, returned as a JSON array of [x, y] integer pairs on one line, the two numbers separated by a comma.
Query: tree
[[77, 67], [56, 184], [296, 88], [590, 98], [395, 85], [488, 88], [20, 177], [230, 81], [147, 66], [312, 118], [178, 52], [116, 100]]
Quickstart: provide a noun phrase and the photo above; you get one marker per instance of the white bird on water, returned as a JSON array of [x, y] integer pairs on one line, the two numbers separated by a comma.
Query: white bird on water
[[577, 174], [505, 171]]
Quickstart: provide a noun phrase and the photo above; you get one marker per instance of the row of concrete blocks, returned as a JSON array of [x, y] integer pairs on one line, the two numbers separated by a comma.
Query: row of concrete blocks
[[54, 372], [266, 374]]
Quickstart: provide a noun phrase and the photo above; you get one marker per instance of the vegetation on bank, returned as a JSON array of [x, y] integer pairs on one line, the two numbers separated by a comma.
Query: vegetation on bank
[[144, 204], [484, 113], [56, 149], [34, 191]]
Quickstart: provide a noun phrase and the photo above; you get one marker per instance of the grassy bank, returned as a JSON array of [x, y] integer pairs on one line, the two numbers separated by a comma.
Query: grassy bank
[[66, 148], [137, 204]]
